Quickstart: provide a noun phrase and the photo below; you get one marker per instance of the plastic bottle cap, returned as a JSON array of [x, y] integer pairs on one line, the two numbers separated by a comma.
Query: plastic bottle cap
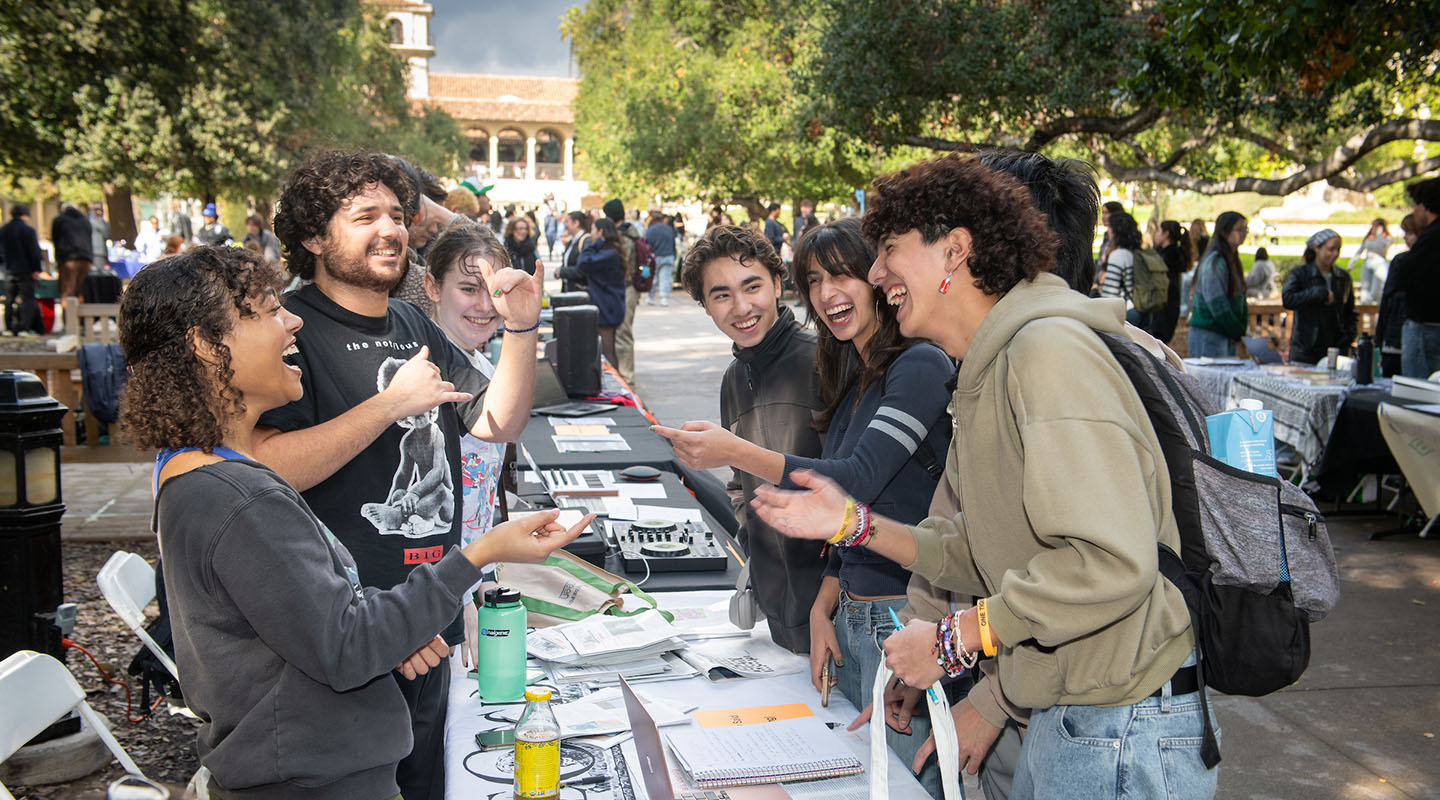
[[502, 596], [537, 694], [1251, 404]]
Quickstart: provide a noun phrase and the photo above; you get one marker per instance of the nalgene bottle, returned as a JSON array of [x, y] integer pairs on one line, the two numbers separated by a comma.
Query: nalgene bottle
[[537, 749], [501, 645]]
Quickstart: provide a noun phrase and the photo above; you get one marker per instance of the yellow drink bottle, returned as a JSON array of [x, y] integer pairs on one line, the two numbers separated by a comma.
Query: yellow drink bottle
[[537, 749]]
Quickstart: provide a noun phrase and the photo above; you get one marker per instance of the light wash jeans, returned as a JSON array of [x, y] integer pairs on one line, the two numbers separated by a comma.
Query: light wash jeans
[[1204, 342], [664, 278], [860, 627], [1147, 750], [1419, 349]]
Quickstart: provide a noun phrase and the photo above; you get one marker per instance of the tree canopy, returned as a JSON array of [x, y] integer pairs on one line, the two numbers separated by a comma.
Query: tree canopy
[[707, 97], [202, 97]]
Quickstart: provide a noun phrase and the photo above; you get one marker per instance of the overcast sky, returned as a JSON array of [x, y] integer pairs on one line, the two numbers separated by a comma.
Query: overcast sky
[[500, 36]]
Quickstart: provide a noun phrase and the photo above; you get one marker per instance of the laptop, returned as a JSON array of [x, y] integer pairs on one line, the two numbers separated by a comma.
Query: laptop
[[552, 400], [655, 771]]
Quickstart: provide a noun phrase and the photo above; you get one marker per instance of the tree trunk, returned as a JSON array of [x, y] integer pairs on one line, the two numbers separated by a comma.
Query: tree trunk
[[753, 208], [120, 210]]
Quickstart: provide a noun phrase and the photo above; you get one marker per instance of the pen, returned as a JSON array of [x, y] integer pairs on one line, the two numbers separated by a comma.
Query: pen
[[895, 618]]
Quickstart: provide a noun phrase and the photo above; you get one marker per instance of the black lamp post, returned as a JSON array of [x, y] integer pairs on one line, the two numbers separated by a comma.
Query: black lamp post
[[30, 512]]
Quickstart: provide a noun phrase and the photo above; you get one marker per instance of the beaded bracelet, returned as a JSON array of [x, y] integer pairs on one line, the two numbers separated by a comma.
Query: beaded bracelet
[[508, 329], [948, 641], [863, 527]]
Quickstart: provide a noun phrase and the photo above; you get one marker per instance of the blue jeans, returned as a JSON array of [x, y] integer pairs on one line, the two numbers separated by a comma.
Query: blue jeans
[[1204, 343], [664, 277], [860, 627], [1147, 750], [1419, 349]]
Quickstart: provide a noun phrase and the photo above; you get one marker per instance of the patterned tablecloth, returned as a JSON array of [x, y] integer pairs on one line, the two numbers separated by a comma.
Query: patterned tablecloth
[[1304, 412], [1215, 377]]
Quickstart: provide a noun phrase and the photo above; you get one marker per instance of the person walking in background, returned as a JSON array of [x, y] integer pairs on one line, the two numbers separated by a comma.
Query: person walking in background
[[1420, 283], [1118, 268], [1173, 244], [552, 223], [1219, 315], [614, 210], [178, 223], [149, 245], [577, 235], [1390, 323], [1107, 240], [256, 232], [24, 264], [99, 235], [774, 231], [1323, 299], [601, 267], [70, 236], [521, 242], [806, 219], [1374, 266], [213, 232], [1199, 237], [1260, 280], [661, 237]]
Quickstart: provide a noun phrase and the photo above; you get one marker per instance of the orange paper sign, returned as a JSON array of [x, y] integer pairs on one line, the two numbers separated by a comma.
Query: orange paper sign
[[726, 718]]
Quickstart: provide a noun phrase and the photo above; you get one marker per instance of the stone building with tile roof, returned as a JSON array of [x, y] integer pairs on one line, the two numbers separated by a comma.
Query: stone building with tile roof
[[521, 129]]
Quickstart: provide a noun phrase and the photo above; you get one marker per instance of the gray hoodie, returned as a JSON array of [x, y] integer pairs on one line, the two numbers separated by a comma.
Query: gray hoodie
[[281, 652]]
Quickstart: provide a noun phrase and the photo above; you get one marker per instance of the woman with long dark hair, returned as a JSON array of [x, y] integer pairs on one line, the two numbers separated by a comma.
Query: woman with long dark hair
[[1173, 244], [886, 434], [1219, 314], [280, 645], [601, 267], [1323, 299], [1119, 266]]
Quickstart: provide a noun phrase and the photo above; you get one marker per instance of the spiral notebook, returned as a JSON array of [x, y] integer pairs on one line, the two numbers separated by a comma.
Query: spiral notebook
[[796, 749]]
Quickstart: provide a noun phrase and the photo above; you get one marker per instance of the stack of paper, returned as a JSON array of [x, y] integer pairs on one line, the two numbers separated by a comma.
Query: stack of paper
[[742, 658], [603, 640], [667, 667]]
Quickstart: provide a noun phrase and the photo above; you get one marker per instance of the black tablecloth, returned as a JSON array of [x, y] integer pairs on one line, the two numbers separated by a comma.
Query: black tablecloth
[[676, 496], [1356, 446], [646, 448]]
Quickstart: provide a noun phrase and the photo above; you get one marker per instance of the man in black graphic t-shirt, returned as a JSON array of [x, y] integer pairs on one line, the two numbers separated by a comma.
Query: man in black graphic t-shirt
[[374, 443]]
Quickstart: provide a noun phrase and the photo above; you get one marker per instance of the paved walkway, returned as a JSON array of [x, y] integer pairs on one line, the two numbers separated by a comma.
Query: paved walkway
[[1361, 723]]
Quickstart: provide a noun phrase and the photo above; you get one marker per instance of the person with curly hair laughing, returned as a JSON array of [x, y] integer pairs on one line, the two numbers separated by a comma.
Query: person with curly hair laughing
[[1085, 630], [282, 652]]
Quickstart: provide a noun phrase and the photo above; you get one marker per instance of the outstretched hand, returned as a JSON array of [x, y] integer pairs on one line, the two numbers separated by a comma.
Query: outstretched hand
[[699, 444], [815, 512], [529, 539]]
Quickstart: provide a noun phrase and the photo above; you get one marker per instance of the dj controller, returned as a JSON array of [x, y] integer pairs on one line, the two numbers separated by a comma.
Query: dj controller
[[665, 546]]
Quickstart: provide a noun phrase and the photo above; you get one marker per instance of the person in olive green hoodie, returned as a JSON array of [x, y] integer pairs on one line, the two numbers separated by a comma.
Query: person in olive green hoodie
[[1085, 630]]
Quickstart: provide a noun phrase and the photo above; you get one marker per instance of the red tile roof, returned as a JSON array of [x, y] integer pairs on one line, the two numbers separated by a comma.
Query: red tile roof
[[503, 98]]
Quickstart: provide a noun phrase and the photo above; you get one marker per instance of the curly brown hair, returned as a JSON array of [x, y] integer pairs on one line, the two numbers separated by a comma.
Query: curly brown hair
[[727, 241], [1011, 240], [316, 189], [173, 397]]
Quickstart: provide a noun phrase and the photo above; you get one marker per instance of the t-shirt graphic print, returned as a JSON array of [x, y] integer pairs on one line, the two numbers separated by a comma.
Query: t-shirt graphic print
[[421, 500]]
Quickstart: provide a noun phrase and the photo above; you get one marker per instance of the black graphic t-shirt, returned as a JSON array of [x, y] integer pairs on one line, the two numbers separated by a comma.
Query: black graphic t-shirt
[[398, 503]]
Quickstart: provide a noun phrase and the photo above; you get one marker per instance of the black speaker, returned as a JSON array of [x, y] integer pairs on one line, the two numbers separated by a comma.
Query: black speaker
[[577, 349], [563, 299]]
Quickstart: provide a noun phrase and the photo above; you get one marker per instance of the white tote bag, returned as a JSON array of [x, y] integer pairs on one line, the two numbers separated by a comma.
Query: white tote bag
[[947, 745]]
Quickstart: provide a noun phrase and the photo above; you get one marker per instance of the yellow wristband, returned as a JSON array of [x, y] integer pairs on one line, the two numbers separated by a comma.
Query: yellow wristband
[[987, 644], [847, 523]]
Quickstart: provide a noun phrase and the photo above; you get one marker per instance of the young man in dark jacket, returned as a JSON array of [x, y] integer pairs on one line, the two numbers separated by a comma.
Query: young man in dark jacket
[[70, 233], [20, 253], [769, 396], [1419, 279]]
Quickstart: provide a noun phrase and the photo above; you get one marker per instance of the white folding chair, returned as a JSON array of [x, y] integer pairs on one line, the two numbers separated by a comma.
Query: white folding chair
[[35, 691], [128, 583]]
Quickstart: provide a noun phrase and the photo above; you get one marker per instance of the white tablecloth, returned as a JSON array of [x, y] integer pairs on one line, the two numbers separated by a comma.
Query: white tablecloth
[[1414, 439], [467, 717]]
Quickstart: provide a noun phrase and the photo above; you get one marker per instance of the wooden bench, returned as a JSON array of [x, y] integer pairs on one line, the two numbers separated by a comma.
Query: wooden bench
[[1271, 320]]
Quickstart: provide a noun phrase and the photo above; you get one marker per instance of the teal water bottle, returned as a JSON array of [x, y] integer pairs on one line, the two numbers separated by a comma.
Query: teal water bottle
[[501, 656]]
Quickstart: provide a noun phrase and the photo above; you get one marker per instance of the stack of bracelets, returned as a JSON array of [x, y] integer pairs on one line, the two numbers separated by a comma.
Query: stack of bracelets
[[856, 527], [949, 650]]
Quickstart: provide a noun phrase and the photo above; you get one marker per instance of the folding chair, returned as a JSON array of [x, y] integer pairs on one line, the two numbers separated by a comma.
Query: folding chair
[[35, 691], [128, 583]]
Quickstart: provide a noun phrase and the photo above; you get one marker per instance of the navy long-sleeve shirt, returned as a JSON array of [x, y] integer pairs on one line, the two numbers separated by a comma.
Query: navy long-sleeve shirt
[[873, 449]]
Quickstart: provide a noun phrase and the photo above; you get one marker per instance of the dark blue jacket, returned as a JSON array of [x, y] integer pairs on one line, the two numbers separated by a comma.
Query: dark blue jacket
[[20, 248], [877, 449], [661, 237], [605, 281]]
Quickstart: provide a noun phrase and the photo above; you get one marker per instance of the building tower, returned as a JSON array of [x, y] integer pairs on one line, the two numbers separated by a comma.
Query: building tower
[[407, 23]]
